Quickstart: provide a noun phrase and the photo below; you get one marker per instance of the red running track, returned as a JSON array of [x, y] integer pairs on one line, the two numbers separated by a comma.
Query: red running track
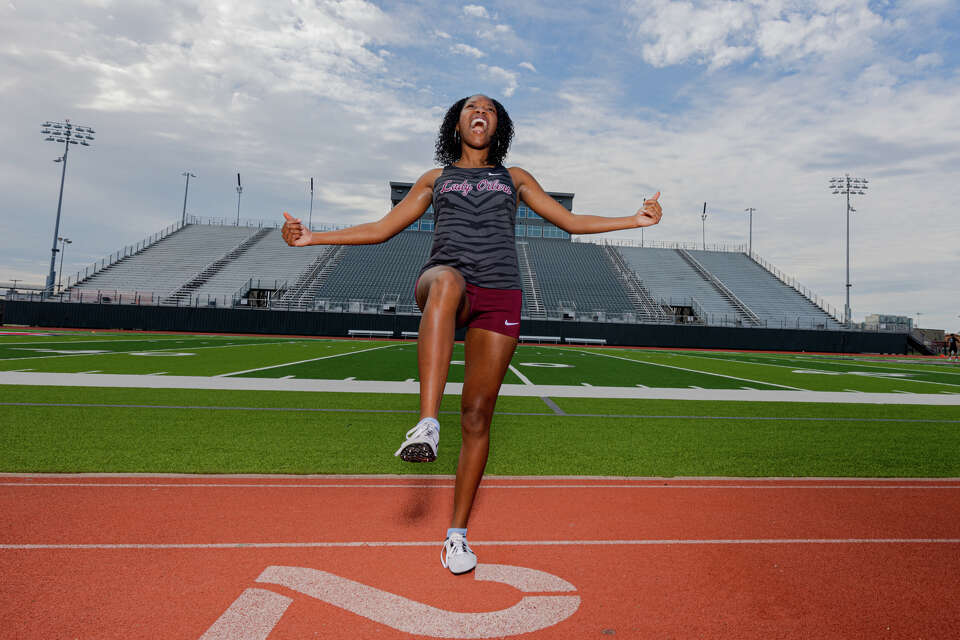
[[168, 557]]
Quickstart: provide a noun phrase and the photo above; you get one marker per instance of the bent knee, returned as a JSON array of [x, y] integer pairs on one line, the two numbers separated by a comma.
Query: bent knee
[[475, 420]]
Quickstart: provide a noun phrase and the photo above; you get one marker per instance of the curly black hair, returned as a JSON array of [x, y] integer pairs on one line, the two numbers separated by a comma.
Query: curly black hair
[[448, 141]]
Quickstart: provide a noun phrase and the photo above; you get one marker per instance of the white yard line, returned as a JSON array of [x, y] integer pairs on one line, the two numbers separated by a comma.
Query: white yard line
[[289, 364], [524, 379], [706, 373]]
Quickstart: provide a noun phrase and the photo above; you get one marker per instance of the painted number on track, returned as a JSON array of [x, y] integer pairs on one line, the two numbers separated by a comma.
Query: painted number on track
[[256, 612]]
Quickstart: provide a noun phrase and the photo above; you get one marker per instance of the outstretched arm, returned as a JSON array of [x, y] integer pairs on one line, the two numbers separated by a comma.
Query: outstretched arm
[[413, 205], [537, 199]]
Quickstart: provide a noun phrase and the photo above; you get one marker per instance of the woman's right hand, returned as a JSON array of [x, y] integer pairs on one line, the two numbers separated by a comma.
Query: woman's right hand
[[294, 233]]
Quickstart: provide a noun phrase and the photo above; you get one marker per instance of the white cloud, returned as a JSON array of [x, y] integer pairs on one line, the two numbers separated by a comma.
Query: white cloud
[[442, 34], [721, 32], [528, 65], [467, 50], [502, 77], [475, 11]]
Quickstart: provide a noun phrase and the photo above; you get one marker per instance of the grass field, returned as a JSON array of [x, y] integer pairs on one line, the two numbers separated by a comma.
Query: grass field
[[131, 429]]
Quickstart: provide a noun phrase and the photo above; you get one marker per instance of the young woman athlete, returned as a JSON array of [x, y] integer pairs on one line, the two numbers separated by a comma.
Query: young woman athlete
[[471, 280]]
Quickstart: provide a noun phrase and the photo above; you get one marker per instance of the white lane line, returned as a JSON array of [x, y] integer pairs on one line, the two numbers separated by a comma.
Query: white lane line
[[91, 371], [455, 388], [237, 485], [481, 543], [706, 373], [524, 379], [289, 364], [157, 373]]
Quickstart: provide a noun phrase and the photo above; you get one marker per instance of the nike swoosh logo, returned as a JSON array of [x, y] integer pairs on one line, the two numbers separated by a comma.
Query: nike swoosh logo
[[510, 324]]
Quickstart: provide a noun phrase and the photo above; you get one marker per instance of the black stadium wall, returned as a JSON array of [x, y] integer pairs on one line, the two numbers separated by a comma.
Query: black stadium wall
[[220, 320]]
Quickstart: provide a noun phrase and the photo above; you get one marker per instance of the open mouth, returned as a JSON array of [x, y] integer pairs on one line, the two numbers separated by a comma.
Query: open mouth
[[478, 125]]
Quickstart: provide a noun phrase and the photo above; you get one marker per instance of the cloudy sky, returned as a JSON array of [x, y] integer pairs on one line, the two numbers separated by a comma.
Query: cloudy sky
[[736, 103]]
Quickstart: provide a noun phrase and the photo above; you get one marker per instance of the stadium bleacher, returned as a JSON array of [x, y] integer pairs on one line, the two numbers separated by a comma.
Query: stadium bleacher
[[208, 264], [575, 277]]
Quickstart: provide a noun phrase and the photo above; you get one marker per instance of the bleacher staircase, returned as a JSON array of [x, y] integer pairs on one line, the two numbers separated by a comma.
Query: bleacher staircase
[[185, 291], [746, 313], [646, 306], [302, 295], [531, 292]]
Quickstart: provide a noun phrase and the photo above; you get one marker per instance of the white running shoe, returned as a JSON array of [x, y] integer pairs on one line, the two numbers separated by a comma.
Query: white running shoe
[[456, 555], [421, 443]]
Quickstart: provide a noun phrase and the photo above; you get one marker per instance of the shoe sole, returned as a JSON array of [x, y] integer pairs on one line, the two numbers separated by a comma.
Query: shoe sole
[[417, 452], [460, 573]]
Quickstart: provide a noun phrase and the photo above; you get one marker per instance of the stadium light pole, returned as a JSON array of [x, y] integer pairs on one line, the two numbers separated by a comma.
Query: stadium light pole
[[63, 243], [703, 220], [750, 210], [848, 186], [68, 134], [183, 220], [239, 191]]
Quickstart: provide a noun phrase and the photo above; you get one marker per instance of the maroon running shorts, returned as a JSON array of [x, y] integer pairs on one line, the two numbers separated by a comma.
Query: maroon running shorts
[[494, 310]]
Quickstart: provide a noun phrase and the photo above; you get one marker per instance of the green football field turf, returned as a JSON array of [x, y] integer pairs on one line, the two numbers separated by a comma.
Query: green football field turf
[[93, 429]]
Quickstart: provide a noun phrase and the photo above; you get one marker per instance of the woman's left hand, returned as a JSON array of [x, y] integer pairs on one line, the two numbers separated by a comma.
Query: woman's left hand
[[651, 212]]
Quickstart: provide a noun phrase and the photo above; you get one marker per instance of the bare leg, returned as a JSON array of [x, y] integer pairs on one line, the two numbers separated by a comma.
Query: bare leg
[[441, 295], [487, 357]]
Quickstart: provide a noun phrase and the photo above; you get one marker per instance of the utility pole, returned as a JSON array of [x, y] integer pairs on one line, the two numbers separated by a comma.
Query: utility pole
[[63, 243], [239, 191], [310, 220], [186, 187], [68, 134], [703, 219], [750, 210]]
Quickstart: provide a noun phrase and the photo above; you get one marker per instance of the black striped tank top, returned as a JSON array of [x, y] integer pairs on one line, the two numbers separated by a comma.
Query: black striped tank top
[[475, 212]]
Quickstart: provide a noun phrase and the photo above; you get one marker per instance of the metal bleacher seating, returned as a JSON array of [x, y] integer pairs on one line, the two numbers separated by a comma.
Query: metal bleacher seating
[[373, 274], [215, 264], [776, 304], [579, 273], [668, 277], [271, 264], [163, 267]]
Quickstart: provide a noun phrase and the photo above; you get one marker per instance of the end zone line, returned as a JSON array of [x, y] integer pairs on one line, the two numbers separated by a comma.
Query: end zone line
[[482, 543]]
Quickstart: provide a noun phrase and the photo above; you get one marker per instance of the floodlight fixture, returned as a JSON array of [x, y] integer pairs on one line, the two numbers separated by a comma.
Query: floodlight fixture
[[848, 186], [68, 134]]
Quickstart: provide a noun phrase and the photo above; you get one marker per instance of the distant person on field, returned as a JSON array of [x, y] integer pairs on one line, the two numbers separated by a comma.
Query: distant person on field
[[471, 280], [952, 347]]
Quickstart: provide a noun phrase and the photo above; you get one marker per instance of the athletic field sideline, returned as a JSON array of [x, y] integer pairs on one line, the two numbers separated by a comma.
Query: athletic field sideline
[[666, 429]]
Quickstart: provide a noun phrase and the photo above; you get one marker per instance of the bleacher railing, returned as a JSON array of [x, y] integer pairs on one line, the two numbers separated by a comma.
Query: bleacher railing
[[126, 252], [657, 244], [380, 306], [795, 284]]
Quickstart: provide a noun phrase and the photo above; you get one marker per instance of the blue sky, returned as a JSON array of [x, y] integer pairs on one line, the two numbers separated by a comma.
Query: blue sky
[[740, 104]]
